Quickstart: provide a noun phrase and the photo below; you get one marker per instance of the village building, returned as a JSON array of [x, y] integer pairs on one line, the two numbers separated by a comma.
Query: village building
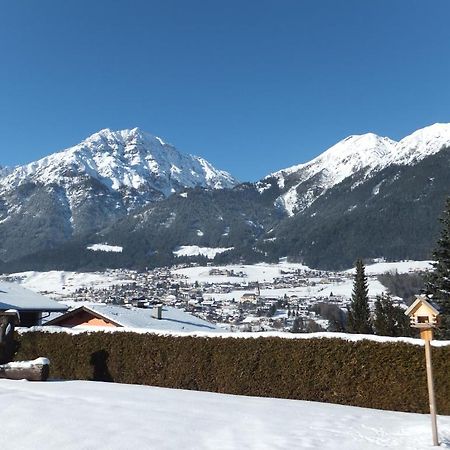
[[33, 308], [162, 318], [249, 297]]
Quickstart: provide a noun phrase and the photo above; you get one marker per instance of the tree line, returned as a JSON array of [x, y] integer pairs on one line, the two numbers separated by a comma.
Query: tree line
[[389, 319]]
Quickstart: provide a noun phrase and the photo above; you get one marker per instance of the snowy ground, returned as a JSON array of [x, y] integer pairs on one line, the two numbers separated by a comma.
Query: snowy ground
[[195, 250], [85, 415], [105, 248], [256, 272], [267, 272], [58, 283], [319, 290], [400, 267]]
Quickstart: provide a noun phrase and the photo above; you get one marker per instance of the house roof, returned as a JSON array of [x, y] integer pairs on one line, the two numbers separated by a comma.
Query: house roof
[[421, 299], [14, 296], [173, 319]]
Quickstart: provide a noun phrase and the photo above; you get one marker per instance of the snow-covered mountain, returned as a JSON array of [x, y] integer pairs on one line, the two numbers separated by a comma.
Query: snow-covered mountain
[[367, 196], [365, 154], [5, 171], [122, 160], [88, 186]]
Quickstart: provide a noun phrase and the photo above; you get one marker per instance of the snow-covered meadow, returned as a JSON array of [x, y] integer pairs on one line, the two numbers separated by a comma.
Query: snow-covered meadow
[[80, 415], [266, 273], [195, 250], [57, 283]]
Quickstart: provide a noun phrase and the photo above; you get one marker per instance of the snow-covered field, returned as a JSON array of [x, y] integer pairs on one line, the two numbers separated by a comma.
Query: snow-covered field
[[267, 272], [105, 248], [87, 415], [57, 283], [319, 290], [400, 267], [256, 272], [195, 250]]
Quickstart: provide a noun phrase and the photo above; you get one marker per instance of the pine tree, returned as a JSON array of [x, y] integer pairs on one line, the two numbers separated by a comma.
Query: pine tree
[[358, 310], [296, 326], [438, 281], [390, 320]]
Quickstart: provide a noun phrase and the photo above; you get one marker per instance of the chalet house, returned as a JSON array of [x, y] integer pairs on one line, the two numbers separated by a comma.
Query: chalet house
[[161, 318], [32, 307]]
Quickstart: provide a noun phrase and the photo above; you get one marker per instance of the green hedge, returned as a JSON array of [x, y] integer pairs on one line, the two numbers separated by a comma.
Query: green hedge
[[365, 373]]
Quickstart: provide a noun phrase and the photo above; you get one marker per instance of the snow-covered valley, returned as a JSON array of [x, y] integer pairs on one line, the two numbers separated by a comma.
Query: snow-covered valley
[[240, 297]]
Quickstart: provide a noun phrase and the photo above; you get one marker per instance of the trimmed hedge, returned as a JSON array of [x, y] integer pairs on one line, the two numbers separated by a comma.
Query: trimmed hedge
[[364, 373]]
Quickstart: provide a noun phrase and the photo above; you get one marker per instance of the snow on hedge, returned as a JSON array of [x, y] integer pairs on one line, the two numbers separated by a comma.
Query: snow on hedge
[[234, 335], [86, 414]]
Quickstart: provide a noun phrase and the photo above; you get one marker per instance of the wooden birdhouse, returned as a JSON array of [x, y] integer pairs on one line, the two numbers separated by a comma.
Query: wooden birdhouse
[[422, 313]]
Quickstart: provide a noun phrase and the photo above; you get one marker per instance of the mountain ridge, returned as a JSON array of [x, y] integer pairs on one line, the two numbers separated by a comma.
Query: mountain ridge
[[84, 188], [367, 152], [367, 196]]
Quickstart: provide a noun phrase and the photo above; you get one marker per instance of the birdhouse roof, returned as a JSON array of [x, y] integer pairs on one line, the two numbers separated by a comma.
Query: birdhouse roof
[[421, 300]]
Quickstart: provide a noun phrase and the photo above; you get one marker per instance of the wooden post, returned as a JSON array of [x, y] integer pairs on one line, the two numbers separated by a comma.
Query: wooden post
[[427, 336]]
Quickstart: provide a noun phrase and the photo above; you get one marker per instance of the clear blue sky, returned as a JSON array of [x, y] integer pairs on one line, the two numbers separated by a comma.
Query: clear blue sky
[[252, 86]]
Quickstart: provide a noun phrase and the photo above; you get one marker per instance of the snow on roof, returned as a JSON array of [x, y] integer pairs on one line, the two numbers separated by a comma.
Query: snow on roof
[[14, 296], [173, 319]]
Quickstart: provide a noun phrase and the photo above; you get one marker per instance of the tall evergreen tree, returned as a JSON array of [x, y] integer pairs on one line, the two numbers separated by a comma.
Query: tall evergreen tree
[[390, 320], [438, 280], [358, 310]]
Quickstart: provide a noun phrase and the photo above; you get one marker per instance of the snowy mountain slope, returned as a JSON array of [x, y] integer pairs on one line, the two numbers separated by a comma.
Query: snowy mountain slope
[[86, 187], [4, 171], [393, 214], [420, 144], [127, 159], [367, 196], [365, 154]]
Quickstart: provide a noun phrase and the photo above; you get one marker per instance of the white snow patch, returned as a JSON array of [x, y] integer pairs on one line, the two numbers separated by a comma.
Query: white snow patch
[[27, 364], [376, 189], [288, 201], [400, 267], [257, 272], [57, 283], [195, 250], [105, 248]]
